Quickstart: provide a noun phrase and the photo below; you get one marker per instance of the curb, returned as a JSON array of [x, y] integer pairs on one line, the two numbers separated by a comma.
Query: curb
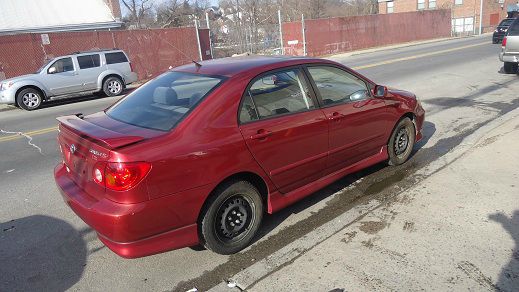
[[285, 256]]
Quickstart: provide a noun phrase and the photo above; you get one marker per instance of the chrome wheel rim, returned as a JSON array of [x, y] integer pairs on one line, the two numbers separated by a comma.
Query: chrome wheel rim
[[234, 218], [114, 87], [31, 100], [401, 141]]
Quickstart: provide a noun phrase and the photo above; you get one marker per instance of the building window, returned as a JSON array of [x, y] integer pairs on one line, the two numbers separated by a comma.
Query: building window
[[458, 2], [421, 4], [390, 6], [432, 4], [463, 25]]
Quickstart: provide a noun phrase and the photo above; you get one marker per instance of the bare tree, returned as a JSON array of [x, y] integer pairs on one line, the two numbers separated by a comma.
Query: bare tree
[[138, 9]]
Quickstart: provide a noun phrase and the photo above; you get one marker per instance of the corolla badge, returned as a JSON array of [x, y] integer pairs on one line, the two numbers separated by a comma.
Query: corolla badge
[[72, 148]]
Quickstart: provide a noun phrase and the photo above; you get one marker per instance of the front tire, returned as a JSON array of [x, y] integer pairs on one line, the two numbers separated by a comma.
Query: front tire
[[510, 67], [29, 99], [231, 218], [113, 86], [401, 142]]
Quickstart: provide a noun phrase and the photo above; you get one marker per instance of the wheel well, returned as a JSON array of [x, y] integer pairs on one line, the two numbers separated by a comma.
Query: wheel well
[[256, 180], [43, 95], [409, 115], [112, 75]]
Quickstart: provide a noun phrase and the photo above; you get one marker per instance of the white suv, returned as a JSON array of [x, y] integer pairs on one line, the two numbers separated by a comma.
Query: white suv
[[107, 71]]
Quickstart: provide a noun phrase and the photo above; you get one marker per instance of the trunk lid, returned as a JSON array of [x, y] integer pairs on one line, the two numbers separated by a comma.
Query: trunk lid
[[86, 141]]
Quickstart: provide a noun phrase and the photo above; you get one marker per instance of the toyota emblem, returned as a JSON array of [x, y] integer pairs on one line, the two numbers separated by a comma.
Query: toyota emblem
[[73, 148]]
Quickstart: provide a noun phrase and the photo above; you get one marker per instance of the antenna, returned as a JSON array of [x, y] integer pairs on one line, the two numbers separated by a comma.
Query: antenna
[[198, 65]]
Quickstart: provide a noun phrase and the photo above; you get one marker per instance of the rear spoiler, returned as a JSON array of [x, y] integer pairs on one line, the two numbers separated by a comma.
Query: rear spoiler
[[98, 134]]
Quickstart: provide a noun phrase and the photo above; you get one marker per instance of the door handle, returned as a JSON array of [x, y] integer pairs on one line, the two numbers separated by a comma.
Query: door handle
[[261, 134], [336, 116]]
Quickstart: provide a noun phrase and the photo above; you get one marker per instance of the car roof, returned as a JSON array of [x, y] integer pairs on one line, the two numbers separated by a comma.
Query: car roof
[[233, 66], [97, 51]]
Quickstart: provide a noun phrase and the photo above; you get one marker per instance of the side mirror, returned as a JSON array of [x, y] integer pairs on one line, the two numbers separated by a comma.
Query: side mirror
[[52, 70], [380, 91]]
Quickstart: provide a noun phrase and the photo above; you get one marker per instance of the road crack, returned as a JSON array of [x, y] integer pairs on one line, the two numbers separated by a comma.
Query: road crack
[[29, 139]]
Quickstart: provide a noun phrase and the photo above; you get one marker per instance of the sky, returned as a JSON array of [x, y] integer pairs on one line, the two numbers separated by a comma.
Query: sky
[[124, 11]]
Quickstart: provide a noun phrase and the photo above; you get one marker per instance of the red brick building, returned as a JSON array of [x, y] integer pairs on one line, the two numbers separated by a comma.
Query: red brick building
[[465, 13]]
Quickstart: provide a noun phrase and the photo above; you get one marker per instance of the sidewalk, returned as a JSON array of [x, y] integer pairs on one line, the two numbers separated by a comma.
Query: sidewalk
[[456, 230]]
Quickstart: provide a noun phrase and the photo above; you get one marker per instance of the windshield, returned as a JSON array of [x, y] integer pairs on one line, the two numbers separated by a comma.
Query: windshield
[[164, 101], [506, 22], [44, 65]]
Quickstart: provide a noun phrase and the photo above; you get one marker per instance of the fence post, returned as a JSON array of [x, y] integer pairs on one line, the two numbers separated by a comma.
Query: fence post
[[303, 28], [281, 33], [480, 17], [198, 40], [209, 28]]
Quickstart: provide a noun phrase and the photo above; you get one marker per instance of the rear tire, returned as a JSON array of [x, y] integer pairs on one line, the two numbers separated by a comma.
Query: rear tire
[[29, 99], [231, 218], [113, 86], [510, 67], [401, 142]]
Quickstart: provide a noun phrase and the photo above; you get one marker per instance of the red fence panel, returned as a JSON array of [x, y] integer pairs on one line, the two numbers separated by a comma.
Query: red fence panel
[[151, 51], [344, 34]]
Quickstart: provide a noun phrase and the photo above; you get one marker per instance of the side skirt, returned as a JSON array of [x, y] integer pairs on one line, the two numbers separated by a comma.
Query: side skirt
[[278, 201]]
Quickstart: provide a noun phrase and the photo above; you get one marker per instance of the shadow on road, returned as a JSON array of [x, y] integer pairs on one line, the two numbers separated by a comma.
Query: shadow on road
[[40, 253], [509, 277]]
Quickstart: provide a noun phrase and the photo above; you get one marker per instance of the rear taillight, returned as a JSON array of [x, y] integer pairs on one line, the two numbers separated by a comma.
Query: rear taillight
[[120, 176], [503, 44], [131, 67]]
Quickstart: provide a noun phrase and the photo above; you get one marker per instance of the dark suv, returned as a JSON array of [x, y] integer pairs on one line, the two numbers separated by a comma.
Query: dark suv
[[501, 30]]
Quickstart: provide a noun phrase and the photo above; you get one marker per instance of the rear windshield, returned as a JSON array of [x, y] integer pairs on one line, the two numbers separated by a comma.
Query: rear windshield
[[114, 58], [514, 29], [506, 22], [164, 101]]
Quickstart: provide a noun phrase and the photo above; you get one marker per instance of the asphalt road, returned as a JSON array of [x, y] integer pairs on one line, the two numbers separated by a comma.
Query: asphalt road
[[44, 246]]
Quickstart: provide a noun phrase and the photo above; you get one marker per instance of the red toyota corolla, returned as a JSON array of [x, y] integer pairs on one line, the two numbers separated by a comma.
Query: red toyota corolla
[[199, 154]]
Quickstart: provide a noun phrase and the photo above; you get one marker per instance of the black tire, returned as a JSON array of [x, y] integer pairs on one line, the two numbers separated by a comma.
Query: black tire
[[495, 41], [29, 99], [401, 142], [231, 218], [510, 67], [113, 86]]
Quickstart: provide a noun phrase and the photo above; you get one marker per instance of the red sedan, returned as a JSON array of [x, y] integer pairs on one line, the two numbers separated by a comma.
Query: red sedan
[[199, 154]]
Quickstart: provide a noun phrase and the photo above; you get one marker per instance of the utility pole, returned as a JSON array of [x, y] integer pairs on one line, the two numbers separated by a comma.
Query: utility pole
[[281, 33], [198, 40], [481, 17], [209, 28], [303, 28]]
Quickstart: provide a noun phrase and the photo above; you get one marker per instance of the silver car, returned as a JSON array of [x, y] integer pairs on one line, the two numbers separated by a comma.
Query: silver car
[[107, 71], [510, 49]]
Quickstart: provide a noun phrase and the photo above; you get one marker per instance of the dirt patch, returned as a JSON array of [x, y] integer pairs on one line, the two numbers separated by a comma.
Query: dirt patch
[[372, 227], [349, 237], [409, 226], [368, 243]]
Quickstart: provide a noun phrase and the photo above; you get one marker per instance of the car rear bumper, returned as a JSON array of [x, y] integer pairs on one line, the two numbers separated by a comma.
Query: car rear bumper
[[130, 78], [512, 58], [129, 230]]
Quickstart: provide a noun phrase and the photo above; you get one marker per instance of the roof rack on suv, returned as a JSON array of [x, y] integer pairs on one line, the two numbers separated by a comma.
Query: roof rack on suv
[[94, 51]]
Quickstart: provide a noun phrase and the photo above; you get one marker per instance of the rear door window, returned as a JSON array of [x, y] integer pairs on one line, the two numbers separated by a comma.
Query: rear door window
[[115, 58], [514, 29], [161, 103], [88, 61], [276, 94]]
